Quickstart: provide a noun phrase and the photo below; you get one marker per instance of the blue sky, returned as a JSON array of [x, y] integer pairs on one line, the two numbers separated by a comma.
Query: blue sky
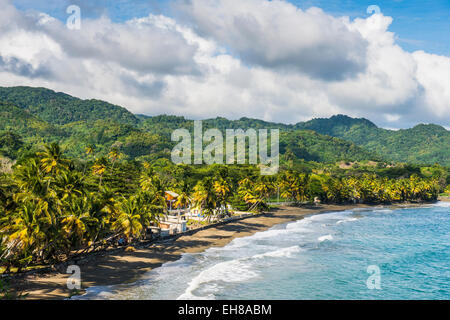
[[239, 58], [419, 24]]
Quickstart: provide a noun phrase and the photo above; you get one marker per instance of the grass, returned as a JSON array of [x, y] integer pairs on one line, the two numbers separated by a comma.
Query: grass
[[192, 222]]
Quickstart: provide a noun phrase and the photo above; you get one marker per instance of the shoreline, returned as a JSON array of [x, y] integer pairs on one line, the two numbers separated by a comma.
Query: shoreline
[[129, 266]]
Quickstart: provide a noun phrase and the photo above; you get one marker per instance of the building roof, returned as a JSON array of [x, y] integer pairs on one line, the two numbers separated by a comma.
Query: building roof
[[173, 194]]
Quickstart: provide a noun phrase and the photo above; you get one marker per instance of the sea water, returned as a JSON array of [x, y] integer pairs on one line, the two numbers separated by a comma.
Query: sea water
[[379, 253]]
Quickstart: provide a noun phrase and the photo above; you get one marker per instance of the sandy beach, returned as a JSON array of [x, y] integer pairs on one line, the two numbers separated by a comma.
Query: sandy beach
[[127, 267]]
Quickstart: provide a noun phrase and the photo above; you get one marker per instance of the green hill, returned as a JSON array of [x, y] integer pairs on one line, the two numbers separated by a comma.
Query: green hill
[[40, 115], [423, 144], [60, 108], [151, 139], [298, 144], [104, 134], [18, 127], [23, 123], [312, 146]]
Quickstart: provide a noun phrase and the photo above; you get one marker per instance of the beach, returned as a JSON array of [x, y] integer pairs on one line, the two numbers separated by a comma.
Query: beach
[[129, 266]]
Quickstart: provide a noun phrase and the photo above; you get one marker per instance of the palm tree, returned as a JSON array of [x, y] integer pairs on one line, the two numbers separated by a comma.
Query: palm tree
[[403, 187], [152, 207], [254, 194], [294, 186], [148, 179], [205, 197], [69, 184], [7, 190], [99, 169], [24, 235], [73, 222], [183, 200], [128, 219], [37, 188], [89, 150], [223, 192], [333, 188], [30, 178], [52, 159], [102, 209], [114, 155]]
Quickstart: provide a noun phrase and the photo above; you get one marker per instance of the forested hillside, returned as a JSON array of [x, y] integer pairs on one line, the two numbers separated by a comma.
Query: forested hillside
[[60, 108], [30, 117], [426, 144]]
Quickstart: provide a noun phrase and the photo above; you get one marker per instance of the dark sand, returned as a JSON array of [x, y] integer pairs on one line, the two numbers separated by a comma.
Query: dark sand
[[127, 267]]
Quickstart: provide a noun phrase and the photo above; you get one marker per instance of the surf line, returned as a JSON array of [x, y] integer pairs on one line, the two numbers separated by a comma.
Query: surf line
[[189, 310]]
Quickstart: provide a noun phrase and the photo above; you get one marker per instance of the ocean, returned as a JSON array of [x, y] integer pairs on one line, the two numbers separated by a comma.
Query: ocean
[[378, 253]]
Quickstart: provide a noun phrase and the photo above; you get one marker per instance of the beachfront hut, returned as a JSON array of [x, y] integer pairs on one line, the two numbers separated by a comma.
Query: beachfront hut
[[171, 198]]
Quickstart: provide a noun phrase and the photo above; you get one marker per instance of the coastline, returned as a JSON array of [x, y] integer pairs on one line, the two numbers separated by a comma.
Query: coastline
[[129, 266]]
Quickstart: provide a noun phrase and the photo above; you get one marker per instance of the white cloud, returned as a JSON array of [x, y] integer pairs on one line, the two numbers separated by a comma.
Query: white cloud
[[433, 73], [276, 34], [389, 81], [260, 59]]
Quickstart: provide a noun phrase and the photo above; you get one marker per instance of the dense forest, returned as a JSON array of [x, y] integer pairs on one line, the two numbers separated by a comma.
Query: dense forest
[[31, 117], [60, 108], [424, 144], [53, 207]]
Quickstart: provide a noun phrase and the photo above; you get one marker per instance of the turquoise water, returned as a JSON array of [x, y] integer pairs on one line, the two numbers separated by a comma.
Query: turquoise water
[[324, 256]]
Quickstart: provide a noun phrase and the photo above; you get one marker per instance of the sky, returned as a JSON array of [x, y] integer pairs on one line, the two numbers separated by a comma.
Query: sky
[[283, 61]]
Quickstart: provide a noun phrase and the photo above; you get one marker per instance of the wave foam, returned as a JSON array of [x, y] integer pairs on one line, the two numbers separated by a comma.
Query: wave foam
[[384, 211], [237, 270], [284, 252], [442, 204], [328, 237], [346, 220]]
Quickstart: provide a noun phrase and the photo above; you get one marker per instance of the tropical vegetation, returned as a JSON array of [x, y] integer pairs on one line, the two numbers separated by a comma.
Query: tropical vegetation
[[53, 207]]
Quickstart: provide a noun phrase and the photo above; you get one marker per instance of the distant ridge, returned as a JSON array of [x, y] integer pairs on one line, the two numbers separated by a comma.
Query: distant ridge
[[48, 115], [330, 124], [424, 143], [60, 108]]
